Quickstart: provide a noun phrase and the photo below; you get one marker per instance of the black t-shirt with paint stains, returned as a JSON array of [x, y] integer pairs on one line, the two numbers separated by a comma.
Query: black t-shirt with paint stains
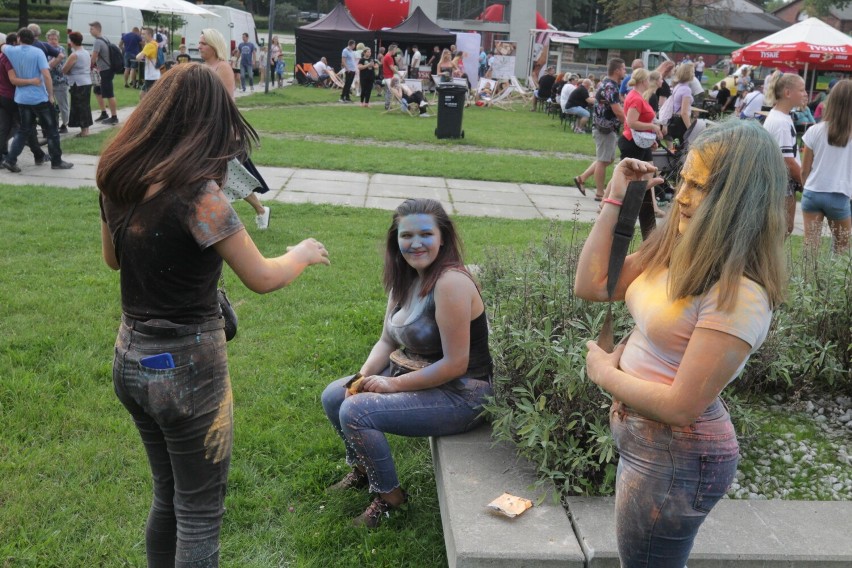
[[169, 268]]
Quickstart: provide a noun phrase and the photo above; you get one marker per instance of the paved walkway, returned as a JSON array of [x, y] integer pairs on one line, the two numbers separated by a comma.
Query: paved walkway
[[380, 191]]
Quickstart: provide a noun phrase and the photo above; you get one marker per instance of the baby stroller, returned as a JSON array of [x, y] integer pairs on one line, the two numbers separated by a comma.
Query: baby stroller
[[668, 159]]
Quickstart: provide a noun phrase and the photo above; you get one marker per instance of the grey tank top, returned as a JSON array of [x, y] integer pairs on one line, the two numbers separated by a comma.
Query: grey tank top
[[421, 338]]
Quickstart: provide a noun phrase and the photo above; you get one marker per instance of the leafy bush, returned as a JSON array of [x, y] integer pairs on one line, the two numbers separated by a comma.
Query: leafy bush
[[810, 343], [543, 400], [558, 418]]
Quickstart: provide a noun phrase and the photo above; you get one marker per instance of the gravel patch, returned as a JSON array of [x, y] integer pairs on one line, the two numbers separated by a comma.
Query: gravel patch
[[799, 465]]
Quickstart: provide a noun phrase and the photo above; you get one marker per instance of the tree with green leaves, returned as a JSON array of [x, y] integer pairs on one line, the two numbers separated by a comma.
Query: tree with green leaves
[[821, 7]]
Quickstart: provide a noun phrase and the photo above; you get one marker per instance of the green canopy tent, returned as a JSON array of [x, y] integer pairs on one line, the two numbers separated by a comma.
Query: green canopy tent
[[660, 33]]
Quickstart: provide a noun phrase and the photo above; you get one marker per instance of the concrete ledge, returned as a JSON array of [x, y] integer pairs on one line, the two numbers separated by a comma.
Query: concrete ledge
[[738, 533], [470, 474]]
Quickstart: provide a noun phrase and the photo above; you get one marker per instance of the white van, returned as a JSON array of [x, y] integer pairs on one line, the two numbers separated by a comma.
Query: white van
[[115, 20], [231, 22]]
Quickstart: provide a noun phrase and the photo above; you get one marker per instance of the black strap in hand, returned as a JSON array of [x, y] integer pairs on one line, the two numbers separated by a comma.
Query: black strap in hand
[[623, 231]]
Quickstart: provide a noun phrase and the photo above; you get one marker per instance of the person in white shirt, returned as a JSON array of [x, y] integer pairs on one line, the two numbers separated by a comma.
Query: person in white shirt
[[321, 67], [566, 91], [784, 92], [828, 151], [414, 67], [751, 103]]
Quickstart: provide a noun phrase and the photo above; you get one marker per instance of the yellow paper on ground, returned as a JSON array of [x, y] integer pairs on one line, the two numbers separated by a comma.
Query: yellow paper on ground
[[510, 505]]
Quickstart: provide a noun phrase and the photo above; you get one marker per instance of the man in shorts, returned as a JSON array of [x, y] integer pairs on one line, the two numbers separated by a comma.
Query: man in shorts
[[104, 91], [608, 117], [132, 43]]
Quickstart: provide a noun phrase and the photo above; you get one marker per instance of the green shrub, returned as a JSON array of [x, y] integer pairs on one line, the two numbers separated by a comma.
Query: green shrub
[[810, 343], [558, 419], [543, 400]]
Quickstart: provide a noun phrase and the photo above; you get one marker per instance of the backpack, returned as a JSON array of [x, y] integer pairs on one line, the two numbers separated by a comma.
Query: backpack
[[116, 59], [161, 59]]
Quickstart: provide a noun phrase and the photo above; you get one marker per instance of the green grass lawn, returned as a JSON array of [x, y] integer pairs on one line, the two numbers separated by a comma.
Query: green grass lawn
[[74, 482], [305, 127]]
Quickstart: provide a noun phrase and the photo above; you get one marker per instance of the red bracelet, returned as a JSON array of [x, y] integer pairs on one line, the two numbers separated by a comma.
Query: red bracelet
[[613, 201]]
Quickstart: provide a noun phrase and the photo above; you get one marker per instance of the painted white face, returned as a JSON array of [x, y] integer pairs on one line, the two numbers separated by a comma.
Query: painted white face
[[419, 240]]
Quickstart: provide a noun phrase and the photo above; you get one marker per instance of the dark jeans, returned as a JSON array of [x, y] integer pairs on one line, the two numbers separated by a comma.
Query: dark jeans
[[185, 418], [668, 479], [10, 121], [362, 420], [347, 86], [46, 116], [647, 218], [367, 80]]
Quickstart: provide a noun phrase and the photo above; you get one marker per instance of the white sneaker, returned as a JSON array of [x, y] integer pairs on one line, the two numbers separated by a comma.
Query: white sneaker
[[424, 115], [262, 220]]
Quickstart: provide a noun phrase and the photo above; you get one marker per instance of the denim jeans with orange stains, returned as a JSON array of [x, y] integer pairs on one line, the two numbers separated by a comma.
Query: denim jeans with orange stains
[[184, 416], [668, 480], [363, 419]]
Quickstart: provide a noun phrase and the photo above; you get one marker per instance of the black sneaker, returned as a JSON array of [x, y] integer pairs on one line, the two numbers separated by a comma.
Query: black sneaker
[[10, 166], [41, 160], [63, 129], [61, 166], [104, 116], [379, 508], [112, 121]]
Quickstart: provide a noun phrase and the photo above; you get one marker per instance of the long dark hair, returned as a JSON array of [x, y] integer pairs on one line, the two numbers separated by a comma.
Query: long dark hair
[[182, 133], [399, 276]]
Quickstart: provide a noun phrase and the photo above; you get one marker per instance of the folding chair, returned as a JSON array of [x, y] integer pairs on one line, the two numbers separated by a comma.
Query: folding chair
[[485, 90], [336, 81], [524, 92], [503, 98], [309, 74]]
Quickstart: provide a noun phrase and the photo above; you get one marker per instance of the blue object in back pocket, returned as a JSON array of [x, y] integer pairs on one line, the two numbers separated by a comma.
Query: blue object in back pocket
[[159, 361]]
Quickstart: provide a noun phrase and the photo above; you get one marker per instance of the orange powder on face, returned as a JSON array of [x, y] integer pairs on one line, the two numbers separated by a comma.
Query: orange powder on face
[[696, 169]]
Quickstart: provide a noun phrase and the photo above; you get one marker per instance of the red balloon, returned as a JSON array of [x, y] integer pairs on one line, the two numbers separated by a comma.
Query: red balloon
[[378, 14]]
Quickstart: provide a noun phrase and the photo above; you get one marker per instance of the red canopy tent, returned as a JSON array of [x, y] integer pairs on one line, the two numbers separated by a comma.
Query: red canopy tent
[[810, 44]]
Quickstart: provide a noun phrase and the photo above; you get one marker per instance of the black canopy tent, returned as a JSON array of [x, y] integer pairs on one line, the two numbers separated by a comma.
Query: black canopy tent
[[327, 37], [417, 29]]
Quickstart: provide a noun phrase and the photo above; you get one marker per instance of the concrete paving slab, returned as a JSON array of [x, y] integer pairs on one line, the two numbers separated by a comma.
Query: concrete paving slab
[[326, 198], [391, 203], [331, 175], [560, 202], [494, 198], [738, 533], [566, 215], [406, 191], [533, 189], [306, 185], [504, 211], [422, 181], [470, 474], [487, 186]]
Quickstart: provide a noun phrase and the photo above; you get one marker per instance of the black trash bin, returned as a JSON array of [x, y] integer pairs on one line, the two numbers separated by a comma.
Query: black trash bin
[[451, 99]]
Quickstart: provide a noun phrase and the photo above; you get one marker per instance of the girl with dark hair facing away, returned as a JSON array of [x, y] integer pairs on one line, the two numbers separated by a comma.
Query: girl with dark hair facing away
[[701, 290], [166, 224], [430, 371]]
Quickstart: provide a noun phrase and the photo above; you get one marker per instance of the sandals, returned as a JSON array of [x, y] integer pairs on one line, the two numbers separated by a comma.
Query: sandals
[[580, 185], [80, 135]]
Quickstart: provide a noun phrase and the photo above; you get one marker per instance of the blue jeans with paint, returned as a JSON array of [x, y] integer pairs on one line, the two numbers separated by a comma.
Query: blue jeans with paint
[[362, 420], [668, 480], [184, 416]]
